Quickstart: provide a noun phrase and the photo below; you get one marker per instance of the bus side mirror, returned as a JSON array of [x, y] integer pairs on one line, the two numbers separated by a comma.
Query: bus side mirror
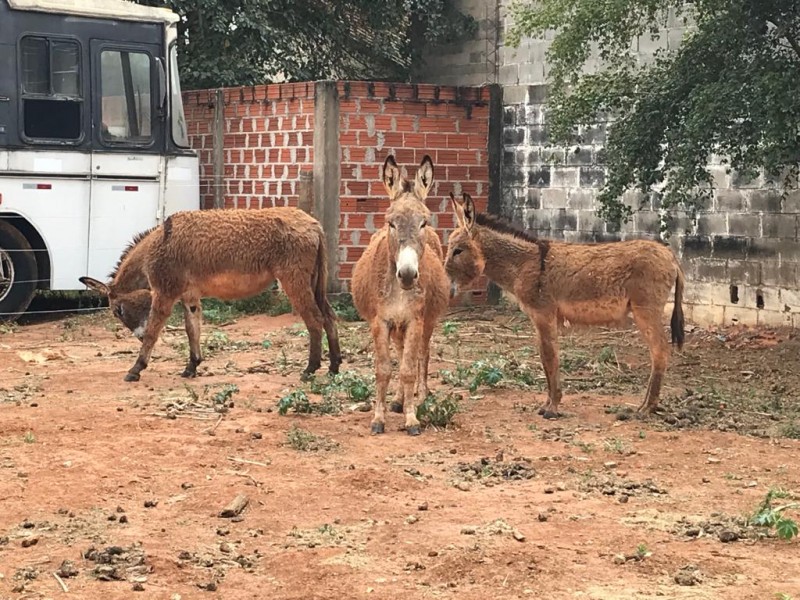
[[162, 88]]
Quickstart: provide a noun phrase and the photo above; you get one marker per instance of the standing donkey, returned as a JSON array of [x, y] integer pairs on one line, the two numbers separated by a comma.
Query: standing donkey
[[589, 284], [401, 289], [226, 254]]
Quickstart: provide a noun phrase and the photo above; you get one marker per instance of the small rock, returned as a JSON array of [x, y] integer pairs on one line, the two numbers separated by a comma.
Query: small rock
[[726, 536], [518, 535], [686, 576], [123, 519], [423, 506], [28, 542], [138, 587], [225, 547], [256, 435], [433, 553], [67, 569], [610, 464], [693, 532], [186, 485], [469, 530], [619, 559], [623, 499], [549, 490], [706, 480], [211, 586], [712, 460], [751, 484], [28, 525], [463, 486], [223, 532], [411, 519], [150, 503], [453, 451], [561, 486]]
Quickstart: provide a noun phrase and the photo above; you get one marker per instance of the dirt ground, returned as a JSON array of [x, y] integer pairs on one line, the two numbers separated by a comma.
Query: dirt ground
[[126, 481]]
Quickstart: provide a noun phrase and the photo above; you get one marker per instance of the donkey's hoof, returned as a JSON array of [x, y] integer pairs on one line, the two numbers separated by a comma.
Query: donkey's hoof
[[306, 375], [413, 430], [377, 428], [132, 376], [396, 407], [551, 414], [189, 373], [333, 370]]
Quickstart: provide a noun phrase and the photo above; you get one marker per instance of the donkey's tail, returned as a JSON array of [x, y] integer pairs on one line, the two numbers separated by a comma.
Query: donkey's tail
[[320, 281], [677, 323]]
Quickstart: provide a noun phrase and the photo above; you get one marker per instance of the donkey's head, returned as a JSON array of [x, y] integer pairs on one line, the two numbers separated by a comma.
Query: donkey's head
[[465, 261], [407, 218], [132, 308]]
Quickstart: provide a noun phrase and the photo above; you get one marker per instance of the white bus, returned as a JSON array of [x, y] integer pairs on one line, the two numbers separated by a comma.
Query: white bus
[[93, 140]]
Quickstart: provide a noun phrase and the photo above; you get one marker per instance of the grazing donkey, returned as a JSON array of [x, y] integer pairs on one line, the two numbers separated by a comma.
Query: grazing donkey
[[589, 284], [226, 254], [400, 287]]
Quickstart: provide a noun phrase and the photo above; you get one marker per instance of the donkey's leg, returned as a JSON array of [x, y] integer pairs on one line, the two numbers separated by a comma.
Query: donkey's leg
[[398, 335], [383, 371], [302, 298], [546, 324], [159, 313], [648, 320], [409, 372], [334, 350], [424, 361], [192, 317]]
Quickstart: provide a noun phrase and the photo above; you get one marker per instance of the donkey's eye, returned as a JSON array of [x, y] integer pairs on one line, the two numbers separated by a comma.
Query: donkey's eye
[[423, 225], [118, 311], [391, 225], [457, 251]]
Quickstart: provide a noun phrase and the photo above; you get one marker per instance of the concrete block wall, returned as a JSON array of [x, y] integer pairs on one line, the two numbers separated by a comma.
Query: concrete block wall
[[741, 255], [342, 132], [487, 59]]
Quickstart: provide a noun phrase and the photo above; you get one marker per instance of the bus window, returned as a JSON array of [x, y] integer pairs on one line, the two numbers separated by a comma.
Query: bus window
[[125, 84], [51, 88], [180, 135]]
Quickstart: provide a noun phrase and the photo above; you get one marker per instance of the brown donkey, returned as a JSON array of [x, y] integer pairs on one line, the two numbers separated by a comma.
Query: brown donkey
[[588, 284], [401, 289], [226, 254]]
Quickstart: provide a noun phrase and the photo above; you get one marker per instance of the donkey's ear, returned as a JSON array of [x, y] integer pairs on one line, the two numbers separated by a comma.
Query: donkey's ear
[[97, 286], [458, 208], [424, 180], [469, 211], [392, 178]]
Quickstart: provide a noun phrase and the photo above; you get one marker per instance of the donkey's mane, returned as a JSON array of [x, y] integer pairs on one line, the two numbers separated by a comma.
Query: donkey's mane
[[134, 242], [502, 226]]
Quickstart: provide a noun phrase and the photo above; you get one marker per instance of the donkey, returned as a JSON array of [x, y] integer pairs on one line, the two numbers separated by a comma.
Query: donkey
[[401, 289], [588, 284], [227, 254]]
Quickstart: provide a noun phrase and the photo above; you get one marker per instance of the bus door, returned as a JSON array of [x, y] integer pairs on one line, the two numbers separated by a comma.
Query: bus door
[[128, 156]]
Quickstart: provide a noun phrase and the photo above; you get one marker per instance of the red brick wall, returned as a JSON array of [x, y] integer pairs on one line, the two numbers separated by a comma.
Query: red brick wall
[[269, 133], [268, 139], [377, 119]]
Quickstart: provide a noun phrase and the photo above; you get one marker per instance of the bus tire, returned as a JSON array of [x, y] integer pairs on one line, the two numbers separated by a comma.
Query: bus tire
[[18, 273]]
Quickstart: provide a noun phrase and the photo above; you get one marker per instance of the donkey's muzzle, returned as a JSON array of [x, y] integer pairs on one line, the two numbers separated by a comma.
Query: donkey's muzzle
[[407, 276]]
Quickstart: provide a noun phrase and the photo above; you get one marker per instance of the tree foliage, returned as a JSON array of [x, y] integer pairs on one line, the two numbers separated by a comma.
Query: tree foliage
[[242, 42], [729, 90]]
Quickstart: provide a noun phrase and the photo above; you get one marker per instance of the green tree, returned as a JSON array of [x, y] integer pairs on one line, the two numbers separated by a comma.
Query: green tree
[[243, 42], [730, 89]]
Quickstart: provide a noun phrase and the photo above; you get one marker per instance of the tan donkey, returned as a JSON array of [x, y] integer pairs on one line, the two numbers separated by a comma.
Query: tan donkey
[[587, 284], [401, 289], [226, 254]]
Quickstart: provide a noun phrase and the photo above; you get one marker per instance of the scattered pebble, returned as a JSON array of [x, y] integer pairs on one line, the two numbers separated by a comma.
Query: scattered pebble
[[423, 506], [469, 530]]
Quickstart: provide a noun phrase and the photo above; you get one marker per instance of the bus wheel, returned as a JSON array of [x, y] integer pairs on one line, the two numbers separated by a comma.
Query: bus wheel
[[18, 273]]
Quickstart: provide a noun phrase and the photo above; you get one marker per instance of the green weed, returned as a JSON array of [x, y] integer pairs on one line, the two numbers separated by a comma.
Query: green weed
[[773, 517]]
